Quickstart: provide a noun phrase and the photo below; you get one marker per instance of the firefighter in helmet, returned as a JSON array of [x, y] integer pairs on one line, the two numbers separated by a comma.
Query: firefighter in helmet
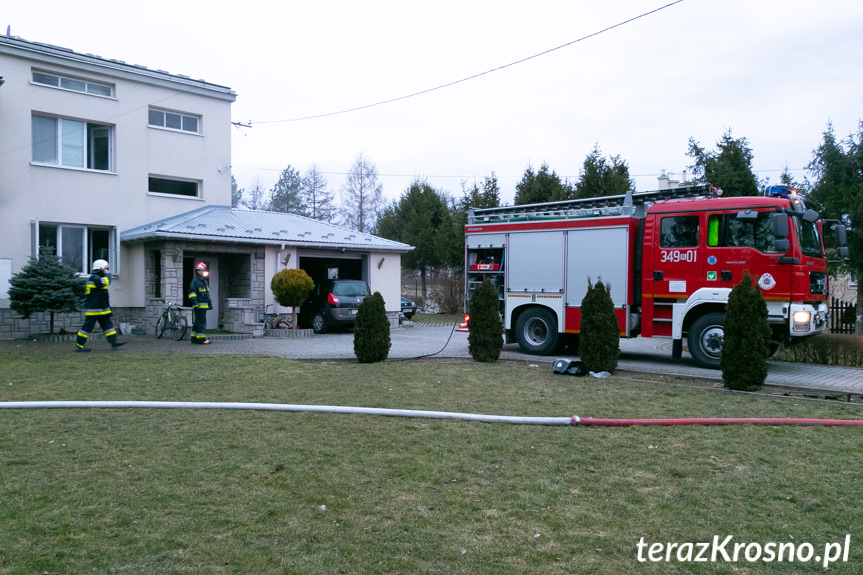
[[199, 293], [97, 308]]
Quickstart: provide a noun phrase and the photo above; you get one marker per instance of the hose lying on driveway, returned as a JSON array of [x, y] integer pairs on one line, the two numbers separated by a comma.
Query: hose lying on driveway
[[569, 420]]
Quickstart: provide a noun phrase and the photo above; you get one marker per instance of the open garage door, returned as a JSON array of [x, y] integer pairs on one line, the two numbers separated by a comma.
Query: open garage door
[[325, 266]]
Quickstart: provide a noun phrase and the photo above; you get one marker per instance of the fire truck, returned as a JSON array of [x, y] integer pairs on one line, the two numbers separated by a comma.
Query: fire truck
[[670, 259]]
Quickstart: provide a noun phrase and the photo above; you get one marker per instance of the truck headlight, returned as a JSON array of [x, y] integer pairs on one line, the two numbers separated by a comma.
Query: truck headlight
[[801, 320]]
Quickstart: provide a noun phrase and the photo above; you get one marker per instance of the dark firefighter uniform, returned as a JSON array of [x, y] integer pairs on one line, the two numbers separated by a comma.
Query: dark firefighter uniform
[[199, 293], [97, 308]]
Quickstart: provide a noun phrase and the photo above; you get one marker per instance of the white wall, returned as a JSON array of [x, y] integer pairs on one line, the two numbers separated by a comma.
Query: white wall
[[120, 198]]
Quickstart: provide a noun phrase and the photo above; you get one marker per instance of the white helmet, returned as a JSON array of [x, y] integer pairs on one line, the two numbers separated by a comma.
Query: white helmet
[[99, 265]]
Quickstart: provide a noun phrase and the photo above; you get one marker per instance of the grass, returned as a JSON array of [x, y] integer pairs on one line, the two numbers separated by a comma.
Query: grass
[[183, 491]]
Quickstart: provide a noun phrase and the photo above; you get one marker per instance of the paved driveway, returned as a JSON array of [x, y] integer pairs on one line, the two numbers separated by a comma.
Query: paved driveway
[[644, 355]]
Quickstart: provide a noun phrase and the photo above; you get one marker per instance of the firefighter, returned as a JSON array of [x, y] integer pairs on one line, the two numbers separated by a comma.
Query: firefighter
[[97, 308], [199, 293]]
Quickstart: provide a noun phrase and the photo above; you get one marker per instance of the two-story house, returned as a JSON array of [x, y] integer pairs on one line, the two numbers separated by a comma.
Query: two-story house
[[101, 159]]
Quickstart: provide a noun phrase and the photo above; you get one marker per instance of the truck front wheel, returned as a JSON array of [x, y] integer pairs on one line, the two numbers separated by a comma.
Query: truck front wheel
[[536, 332], [705, 338]]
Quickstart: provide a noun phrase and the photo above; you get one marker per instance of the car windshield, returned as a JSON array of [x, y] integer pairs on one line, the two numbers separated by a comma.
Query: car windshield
[[351, 289], [810, 239]]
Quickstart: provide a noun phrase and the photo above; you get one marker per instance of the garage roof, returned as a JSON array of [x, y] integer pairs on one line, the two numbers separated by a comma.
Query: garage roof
[[226, 224]]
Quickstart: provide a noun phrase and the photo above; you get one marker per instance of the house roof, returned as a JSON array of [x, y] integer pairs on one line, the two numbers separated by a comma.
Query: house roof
[[28, 48], [226, 224]]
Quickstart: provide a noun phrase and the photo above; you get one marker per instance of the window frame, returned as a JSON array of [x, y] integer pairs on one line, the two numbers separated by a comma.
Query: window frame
[[63, 145], [181, 116], [87, 84], [87, 249]]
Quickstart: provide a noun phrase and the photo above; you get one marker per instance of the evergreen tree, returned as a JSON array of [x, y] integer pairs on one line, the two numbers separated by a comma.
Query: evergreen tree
[[599, 332], [286, 196], [422, 218], [542, 186], [838, 190], [236, 193], [746, 343], [729, 167], [601, 177], [46, 285], [291, 287], [257, 197], [372, 330], [485, 339]]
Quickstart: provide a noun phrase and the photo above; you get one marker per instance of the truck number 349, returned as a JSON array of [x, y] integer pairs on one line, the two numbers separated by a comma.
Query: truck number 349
[[679, 256]]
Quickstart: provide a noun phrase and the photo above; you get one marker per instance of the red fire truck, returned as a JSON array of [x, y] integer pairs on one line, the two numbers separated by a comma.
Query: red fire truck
[[670, 257]]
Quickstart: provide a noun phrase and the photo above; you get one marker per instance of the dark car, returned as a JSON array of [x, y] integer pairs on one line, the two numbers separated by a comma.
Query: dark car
[[333, 303], [409, 308]]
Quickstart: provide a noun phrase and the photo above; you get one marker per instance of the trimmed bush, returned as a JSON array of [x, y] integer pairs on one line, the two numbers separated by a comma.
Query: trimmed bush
[[599, 341], [485, 339], [746, 344], [372, 330], [291, 288]]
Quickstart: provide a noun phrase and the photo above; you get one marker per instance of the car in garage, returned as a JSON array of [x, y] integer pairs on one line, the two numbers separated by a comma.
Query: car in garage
[[333, 303], [409, 308]]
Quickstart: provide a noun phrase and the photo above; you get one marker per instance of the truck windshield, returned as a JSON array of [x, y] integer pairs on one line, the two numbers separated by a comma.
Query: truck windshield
[[810, 239]]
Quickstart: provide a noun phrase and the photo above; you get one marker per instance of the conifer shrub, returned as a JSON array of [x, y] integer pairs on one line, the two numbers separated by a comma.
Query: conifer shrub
[[372, 330], [46, 285], [746, 343], [291, 287], [599, 341], [485, 338]]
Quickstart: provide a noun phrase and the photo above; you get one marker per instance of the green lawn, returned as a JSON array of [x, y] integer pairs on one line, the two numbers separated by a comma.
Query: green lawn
[[186, 491]]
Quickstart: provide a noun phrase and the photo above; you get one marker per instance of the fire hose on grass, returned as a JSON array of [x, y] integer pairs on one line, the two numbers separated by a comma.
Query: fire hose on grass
[[513, 419]]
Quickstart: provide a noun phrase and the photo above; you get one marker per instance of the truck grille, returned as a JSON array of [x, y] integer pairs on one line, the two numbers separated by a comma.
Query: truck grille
[[817, 283]]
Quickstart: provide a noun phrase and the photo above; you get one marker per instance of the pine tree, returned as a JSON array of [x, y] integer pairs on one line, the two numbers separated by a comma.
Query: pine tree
[[746, 343], [599, 341], [372, 330], [45, 284], [484, 340]]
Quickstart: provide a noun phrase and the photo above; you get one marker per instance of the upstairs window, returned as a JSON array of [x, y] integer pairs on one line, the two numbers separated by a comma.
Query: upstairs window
[[174, 121], [72, 143], [173, 187], [74, 84]]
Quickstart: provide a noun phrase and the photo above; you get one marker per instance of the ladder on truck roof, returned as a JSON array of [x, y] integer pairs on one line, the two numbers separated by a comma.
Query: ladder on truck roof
[[585, 207]]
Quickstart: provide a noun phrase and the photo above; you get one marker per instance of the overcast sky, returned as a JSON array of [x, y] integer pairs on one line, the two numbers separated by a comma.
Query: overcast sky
[[775, 72]]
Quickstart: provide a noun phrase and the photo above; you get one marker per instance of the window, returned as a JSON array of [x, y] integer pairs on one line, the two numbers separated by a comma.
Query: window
[[72, 143], [678, 232], [79, 246], [74, 84], [751, 233], [187, 188], [810, 238], [173, 121]]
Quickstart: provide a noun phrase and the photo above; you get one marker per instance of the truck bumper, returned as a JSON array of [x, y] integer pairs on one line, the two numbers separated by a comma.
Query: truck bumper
[[805, 319]]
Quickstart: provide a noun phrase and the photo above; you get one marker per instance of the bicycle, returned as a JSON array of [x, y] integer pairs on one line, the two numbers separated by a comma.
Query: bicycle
[[172, 318], [271, 320]]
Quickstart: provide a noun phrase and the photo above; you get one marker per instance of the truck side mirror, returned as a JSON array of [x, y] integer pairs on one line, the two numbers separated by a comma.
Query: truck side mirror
[[780, 225], [843, 252], [810, 216], [841, 235]]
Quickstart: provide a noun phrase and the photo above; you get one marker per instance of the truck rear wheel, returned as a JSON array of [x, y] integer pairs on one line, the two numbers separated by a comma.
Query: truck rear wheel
[[705, 339], [536, 332]]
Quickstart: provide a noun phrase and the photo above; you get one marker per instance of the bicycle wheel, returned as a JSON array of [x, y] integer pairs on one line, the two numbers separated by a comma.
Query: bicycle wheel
[[178, 328], [161, 325]]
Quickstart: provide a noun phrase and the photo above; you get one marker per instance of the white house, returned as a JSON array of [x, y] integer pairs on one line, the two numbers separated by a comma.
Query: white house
[[99, 157]]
